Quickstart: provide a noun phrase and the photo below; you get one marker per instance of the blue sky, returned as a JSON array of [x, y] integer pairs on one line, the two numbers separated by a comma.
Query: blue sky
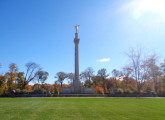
[[43, 31]]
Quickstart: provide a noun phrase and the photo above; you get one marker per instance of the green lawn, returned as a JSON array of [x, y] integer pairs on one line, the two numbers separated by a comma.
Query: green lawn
[[82, 109]]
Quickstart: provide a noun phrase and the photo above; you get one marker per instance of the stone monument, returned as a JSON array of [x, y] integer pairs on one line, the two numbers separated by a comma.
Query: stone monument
[[77, 87]]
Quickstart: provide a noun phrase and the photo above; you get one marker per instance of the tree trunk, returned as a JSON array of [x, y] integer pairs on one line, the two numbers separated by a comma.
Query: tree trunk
[[138, 87], [61, 85], [104, 84]]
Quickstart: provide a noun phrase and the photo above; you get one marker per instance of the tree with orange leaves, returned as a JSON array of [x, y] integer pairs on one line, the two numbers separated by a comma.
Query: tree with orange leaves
[[99, 90], [11, 75]]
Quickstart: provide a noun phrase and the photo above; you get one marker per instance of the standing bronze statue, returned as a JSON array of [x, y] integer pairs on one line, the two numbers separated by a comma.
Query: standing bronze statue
[[77, 27]]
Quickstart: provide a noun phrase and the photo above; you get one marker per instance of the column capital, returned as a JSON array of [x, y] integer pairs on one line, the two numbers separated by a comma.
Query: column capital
[[76, 40]]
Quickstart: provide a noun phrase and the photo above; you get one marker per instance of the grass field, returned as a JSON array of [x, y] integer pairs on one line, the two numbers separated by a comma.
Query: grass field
[[82, 109]]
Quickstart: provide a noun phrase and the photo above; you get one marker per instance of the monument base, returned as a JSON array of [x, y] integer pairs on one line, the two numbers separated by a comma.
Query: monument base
[[77, 88]]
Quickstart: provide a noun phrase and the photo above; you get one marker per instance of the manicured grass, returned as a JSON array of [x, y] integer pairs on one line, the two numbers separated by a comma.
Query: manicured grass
[[82, 109]]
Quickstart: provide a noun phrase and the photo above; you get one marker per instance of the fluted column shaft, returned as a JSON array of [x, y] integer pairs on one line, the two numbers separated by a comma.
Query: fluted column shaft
[[76, 41]]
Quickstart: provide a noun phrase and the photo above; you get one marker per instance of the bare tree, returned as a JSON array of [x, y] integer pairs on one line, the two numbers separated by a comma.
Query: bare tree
[[88, 74], [135, 57], [126, 73], [31, 72], [116, 75]]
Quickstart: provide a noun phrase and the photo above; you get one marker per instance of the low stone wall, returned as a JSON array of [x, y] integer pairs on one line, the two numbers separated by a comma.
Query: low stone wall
[[61, 95], [81, 95], [30, 95], [89, 90], [66, 90], [133, 95]]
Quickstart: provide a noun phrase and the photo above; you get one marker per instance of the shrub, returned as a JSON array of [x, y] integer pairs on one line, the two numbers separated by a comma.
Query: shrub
[[99, 90], [40, 91], [128, 91], [43, 91], [10, 88], [56, 91], [161, 94], [135, 91], [148, 90], [18, 91], [24, 91], [6, 94], [119, 91], [154, 93]]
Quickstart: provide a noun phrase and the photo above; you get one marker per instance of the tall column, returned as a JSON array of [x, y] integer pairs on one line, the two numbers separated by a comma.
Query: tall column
[[76, 41]]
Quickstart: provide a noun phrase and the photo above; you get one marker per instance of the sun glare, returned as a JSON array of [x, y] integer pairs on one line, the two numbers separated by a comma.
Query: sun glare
[[152, 5], [147, 6]]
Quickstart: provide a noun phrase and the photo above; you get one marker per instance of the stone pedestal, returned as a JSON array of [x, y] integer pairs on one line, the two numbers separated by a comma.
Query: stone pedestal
[[77, 90]]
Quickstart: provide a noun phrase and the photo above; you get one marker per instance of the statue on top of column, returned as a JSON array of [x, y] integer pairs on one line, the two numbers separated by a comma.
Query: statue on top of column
[[77, 27]]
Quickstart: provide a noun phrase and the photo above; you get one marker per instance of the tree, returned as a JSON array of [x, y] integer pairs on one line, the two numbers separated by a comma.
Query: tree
[[71, 77], [135, 57], [61, 77], [3, 85], [102, 73], [31, 70], [96, 80], [20, 80], [11, 75], [151, 70], [162, 65], [2, 80], [126, 73], [116, 75], [42, 76], [87, 76], [56, 90]]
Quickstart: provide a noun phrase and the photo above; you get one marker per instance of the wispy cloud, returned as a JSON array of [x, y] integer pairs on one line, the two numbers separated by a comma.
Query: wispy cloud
[[104, 60]]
